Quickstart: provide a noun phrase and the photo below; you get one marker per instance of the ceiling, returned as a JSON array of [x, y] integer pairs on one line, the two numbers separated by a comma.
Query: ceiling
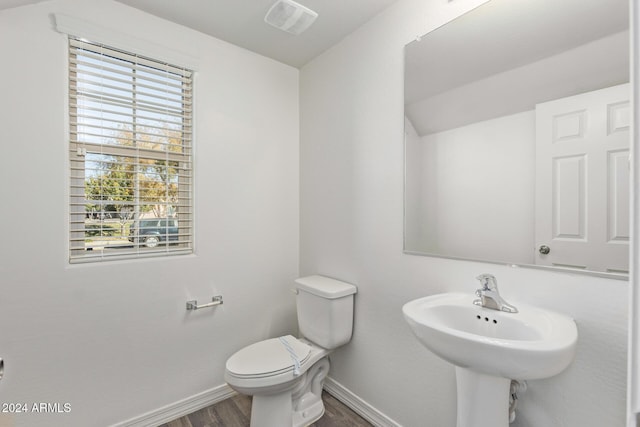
[[241, 22]]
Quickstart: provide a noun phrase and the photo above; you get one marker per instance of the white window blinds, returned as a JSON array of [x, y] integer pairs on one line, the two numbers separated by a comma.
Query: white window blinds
[[130, 155]]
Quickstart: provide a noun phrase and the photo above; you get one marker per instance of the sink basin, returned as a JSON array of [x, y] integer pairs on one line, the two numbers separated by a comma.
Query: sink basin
[[531, 344]]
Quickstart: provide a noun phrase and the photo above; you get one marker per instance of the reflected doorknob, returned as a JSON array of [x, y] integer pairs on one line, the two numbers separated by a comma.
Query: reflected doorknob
[[544, 249]]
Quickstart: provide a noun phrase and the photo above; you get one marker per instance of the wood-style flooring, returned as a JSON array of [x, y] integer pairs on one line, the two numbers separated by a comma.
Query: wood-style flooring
[[235, 412]]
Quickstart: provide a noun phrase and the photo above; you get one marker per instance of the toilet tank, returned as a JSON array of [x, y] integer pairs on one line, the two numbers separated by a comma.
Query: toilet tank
[[325, 310]]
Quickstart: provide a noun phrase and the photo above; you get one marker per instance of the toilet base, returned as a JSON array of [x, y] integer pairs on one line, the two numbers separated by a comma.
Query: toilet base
[[307, 397], [271, 410], [298, 406], [276, 410], [312, 412]]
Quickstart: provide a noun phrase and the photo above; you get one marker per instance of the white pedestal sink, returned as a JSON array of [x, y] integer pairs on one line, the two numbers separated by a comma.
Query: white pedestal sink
[[489, 348]]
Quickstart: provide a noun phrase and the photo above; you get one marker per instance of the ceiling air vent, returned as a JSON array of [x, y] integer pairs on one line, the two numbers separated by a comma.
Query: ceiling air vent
[[290, 16]]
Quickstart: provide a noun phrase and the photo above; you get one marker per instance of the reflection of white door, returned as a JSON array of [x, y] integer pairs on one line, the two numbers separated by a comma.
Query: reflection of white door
[[582, 181]]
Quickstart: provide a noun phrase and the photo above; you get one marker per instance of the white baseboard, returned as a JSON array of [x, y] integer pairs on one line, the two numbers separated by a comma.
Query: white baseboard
[[357, 405], [180, 408], [218, 394]]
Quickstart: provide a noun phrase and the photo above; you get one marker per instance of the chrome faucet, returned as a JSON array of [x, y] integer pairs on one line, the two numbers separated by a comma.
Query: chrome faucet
[[489, 295]]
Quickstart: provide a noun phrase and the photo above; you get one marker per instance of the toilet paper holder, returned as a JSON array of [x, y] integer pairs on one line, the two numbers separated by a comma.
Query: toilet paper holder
[[193, 304]]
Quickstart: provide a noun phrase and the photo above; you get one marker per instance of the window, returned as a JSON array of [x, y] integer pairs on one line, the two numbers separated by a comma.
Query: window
[[130, 155]]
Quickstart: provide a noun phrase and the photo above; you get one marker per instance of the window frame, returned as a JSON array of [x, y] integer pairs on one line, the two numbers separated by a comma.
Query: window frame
[[178, 157]]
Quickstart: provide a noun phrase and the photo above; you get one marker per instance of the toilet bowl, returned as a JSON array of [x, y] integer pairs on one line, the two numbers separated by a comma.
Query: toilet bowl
[[284, 394], [285, 375]]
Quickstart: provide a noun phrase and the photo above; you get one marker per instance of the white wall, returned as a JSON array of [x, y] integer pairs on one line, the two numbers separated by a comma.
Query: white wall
[[352, 227], [115, 340], [420, 235], [480, 189]]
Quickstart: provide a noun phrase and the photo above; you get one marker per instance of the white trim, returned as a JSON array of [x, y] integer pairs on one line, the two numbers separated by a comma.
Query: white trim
[[359, 406], [180, 408], [212, 396], [97, 33], [633, 368]]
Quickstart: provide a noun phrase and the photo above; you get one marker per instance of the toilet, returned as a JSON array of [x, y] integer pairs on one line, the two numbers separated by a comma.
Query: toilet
[[285, 375]]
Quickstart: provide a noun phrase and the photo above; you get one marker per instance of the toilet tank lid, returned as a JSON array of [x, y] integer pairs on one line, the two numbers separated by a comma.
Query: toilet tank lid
[[325, 287]]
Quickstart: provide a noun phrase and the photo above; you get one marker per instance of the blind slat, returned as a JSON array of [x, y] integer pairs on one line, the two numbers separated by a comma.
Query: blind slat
[[174, 90], [101, 87], [122, 134], [127, 76], [124, 105], [96, 50]]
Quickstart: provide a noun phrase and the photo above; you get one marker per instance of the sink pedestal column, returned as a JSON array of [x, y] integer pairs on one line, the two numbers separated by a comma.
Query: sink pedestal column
[[483, 400]]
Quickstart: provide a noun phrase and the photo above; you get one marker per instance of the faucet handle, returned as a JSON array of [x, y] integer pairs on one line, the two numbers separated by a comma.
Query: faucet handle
[[488, 282]]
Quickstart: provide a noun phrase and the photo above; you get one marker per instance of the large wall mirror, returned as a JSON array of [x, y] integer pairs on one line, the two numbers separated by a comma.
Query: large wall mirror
[[517, 136]]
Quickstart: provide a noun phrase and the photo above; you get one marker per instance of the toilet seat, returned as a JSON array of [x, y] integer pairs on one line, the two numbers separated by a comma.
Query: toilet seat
[[276, 358]]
